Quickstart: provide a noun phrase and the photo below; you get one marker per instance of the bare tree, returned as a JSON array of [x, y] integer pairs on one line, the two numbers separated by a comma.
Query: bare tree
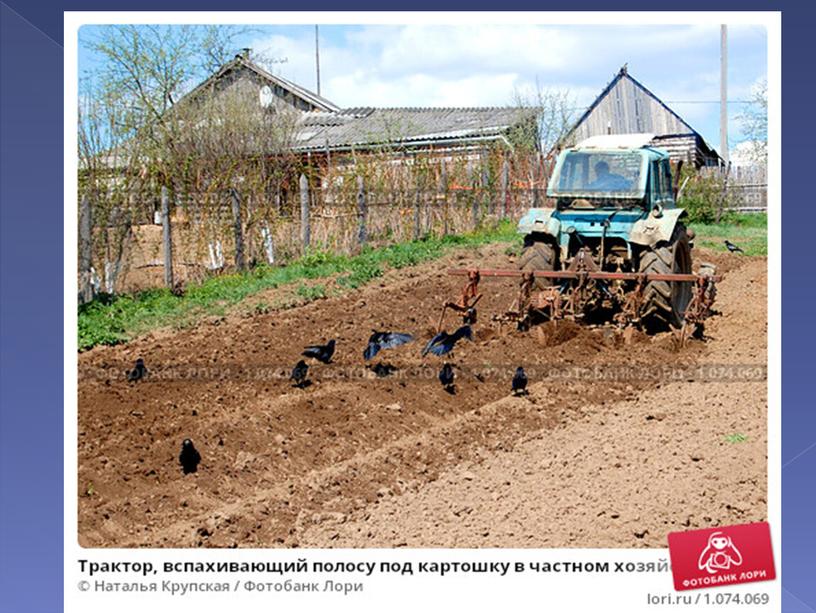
[[554, 113], [754, 124]]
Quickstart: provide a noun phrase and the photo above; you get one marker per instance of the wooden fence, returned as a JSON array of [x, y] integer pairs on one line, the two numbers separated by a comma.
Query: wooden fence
[[746, 187], [182, 238]]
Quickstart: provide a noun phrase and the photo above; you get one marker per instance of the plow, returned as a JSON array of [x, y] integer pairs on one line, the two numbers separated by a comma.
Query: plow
[[613, 247], [576, 293]]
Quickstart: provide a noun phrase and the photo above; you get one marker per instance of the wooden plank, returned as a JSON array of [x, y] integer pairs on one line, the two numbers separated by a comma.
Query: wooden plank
[[167, 237], [305, 229], [238, 229], [86, 291]]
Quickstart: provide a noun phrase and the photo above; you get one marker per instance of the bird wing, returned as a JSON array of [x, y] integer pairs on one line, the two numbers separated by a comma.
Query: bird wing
[[441, 344], [395, 339], [371, 350], [463, 332], [440, 336], [312, 351]]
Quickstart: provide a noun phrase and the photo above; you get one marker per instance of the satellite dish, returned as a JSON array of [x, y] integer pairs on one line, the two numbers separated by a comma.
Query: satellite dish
[[266, 96]]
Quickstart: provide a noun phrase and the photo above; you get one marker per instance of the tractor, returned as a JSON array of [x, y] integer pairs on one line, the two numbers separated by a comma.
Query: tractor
[[613, 245]]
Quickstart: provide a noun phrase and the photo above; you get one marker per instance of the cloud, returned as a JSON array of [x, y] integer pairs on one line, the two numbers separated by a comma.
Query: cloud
[[484, 65]]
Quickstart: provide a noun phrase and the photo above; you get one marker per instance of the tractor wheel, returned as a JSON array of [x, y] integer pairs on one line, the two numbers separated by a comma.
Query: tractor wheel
[[537, 257], [664, 303]]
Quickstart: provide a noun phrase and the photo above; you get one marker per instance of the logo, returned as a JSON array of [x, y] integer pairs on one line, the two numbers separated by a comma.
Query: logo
[[721, 556]]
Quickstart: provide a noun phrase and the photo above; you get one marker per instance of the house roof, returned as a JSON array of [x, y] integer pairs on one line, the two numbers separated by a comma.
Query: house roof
[[241, 61], [627, 106], [364, 127]]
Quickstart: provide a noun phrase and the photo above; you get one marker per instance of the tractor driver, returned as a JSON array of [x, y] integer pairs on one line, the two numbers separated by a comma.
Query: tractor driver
[[606, 181]]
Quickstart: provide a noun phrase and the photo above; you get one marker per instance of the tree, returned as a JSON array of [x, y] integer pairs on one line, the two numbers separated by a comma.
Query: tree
[[554, 111], [754, 124], [136, 134]]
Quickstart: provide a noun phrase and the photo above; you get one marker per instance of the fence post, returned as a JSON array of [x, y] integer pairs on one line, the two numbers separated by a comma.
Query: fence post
[[417, 216], [475, 196], [167, 236], [443, 185], [85, 250], [362, 212], [239, 230], [305, 230], [505, 182]]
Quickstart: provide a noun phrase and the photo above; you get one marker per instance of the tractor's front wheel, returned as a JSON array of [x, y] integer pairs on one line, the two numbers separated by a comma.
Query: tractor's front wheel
[[664, 302], [537, 256]]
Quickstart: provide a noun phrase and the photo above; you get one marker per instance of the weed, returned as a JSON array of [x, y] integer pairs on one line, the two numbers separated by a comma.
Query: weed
[[311, 292]]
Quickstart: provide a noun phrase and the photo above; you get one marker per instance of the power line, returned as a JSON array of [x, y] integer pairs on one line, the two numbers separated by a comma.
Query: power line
[[709, 101]]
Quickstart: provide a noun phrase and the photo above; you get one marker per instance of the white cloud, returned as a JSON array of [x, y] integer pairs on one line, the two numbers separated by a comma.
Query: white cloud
[[483, 65]]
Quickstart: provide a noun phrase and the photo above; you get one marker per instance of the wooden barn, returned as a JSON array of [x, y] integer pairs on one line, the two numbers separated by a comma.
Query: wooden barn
[[626, 106]]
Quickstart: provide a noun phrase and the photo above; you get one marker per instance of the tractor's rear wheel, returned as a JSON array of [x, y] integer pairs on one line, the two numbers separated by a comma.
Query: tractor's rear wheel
[[664, 302], [537, 256]]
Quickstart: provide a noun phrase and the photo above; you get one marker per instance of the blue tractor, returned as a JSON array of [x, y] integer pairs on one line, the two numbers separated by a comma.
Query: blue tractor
[[614, 212]]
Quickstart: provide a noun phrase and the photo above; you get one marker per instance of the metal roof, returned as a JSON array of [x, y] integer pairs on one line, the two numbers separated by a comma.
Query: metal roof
[[616, 141], [365, 127]]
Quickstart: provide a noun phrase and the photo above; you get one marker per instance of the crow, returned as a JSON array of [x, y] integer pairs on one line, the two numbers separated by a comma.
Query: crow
[[384, 340], [322, 353], [732, 247], [138, 373], [446, 376], [299, 373], [519, 382], [189, 458], [383, 370], [443, 342]]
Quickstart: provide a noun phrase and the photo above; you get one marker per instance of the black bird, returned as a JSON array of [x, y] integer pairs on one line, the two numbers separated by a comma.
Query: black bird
[[443, 342], [519, 382], [384, 340], [732, 247], [322, 353], [470, 316], [189, 457], [299, 373], [383, 370], [138, 373], [446, 376]]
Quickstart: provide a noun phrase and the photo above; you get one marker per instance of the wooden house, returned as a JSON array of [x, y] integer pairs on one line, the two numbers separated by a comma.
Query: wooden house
[[626, 106]]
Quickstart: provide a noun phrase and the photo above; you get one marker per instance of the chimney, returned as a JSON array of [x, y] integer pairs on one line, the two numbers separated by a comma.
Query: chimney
[[245, 52]]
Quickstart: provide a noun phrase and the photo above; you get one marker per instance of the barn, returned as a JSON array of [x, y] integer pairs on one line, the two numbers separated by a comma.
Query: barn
[[626, 106]]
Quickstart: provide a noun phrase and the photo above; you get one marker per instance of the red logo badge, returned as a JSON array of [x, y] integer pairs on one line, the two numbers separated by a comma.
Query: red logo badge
[[721, 556]]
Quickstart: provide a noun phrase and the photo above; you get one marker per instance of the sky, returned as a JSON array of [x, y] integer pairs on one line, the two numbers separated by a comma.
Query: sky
[[485, 65]]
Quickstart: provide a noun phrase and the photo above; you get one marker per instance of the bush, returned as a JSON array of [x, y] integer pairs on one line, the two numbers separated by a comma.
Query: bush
[[702, 195]]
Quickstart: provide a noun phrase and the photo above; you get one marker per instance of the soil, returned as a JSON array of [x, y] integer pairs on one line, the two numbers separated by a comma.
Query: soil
[[592, 456]]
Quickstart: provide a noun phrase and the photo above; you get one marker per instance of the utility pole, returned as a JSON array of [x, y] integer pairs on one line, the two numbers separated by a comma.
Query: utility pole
[[724, 93], [317, 58]]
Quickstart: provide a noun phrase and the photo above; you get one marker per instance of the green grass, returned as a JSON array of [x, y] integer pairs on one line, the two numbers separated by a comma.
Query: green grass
[[749, 231], [111, 320], [311, 292], [736, 438]]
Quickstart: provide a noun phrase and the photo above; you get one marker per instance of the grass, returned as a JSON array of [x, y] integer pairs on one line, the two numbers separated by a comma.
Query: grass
[[111, 320], [736, 438], [748, 231]]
